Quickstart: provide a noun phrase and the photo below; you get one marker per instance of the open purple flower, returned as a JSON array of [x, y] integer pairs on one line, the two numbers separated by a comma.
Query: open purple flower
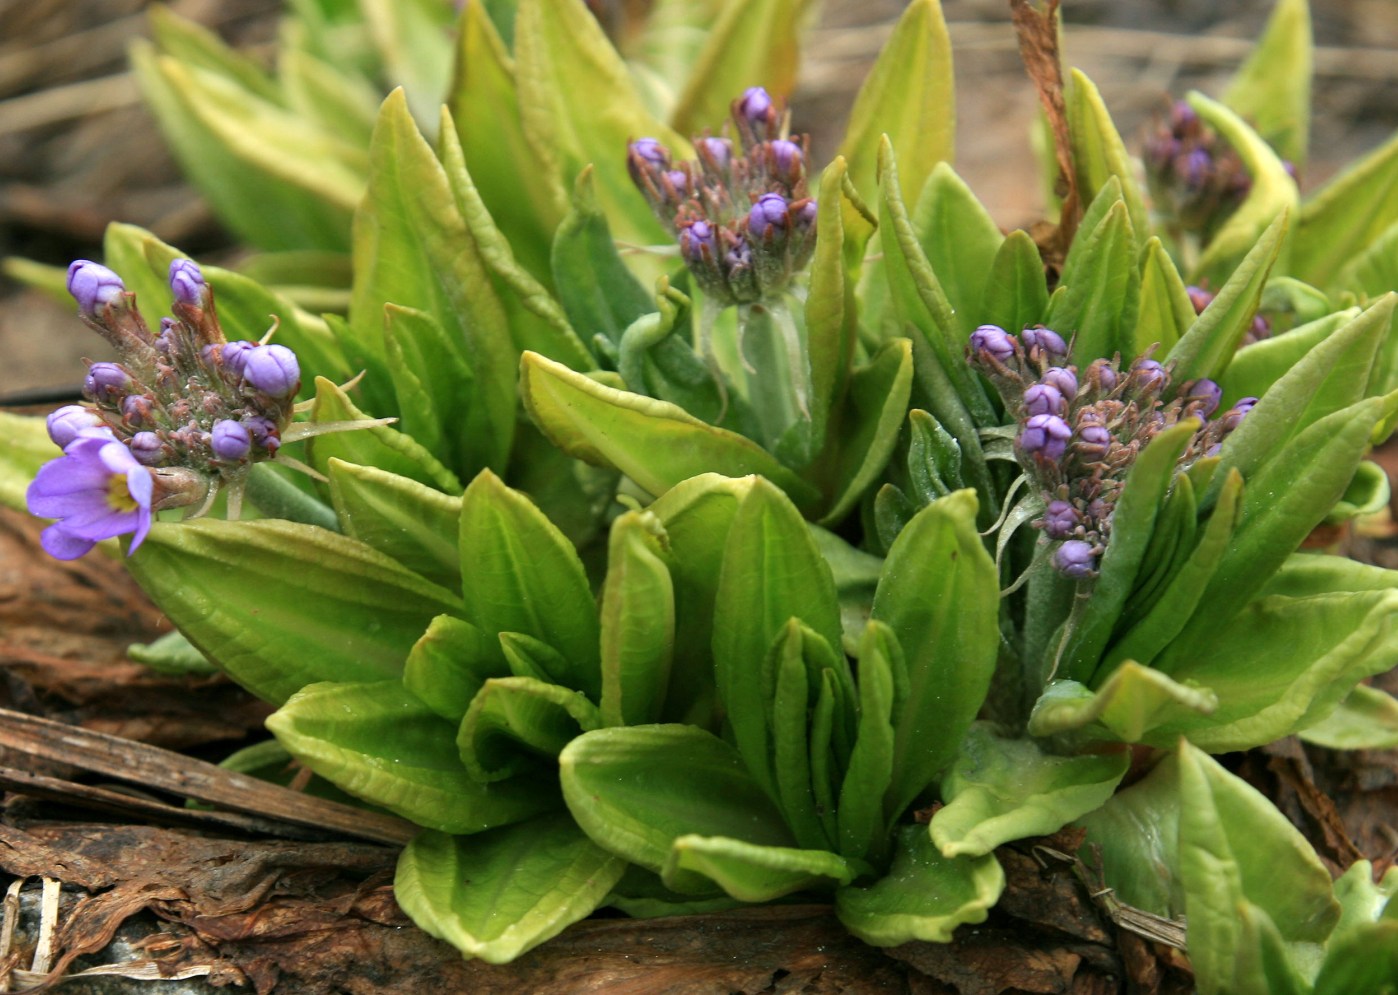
[[96, 490]]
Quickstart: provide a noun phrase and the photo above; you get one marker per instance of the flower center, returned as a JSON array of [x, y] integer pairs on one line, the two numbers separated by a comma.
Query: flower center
[[119, 495]]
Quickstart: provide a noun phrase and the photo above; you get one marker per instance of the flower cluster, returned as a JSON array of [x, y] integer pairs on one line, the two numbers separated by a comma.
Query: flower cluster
[[1195, 178], [1080, 431], [740, 210], [181, 412]]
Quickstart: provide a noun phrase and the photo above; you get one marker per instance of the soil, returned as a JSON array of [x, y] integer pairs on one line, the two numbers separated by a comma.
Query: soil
[[221, 907]]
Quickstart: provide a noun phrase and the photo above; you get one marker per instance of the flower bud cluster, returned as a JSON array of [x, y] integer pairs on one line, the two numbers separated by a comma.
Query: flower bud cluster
[[1079, 431], [1194, 176], [740, 210]]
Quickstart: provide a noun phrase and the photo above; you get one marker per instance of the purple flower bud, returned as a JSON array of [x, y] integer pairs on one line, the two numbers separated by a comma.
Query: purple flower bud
[[1045, 339], [714, 152], [754, 106], [106, 381], [1182, 116], [738, 256], [1199, 298], [165, 338], [229, 440], [137, 410], [1195, 168], [147, 448], [1062, 379], [235, 355], [768, 214], [1060, 519], [1203, 397], [186, 281], [1043, 399], [679, 181], [994, 341], [1075, 559], [1046, 436], [786, 156], [646, 155], [1093, 441], [68, 421], [93, 285], [273, 370], [1234, 416], [1102, 371], [264, 433], [806, 216], [1148, 374], [696, 241]]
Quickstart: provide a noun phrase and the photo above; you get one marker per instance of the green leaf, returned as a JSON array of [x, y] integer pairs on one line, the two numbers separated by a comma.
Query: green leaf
[[772, 572], [25, 448], [642, 895], [638, 621], [1166, 312], [636, 789], [1099, 153], [1234, 846], [379, 743], [831, 312], [863, 828], [1210, 342], [1253, 371], [195, 45], [1367, 719], [908, 96], [1273, 87], [379, 446], [524, 576], [413, 42], [171, 653], [655, 443], [409, 521], [960, 239], [1347, 215], [279, 605], [1373, 271], [498, 894], [1000, 790], [754, 873], [755, 41], [1099, 295], [939, 594], [1016, 295], [876, 403], [1363, 961], [1129, 706], [448, 665], [515, 722], [924, 896]]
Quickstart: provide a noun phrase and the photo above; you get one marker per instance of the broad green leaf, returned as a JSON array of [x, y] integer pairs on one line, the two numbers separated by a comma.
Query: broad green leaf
[[1264, 963], [574, 496], [876, 403], [924, 896], [498, 894], [638, 621], [1208, 346], [336, 99], [522, 575], [1347, 215], [379, 743], [1365, 960], [171, 653], [1016, 294], [1367, 719], [1253, 371], [1367, 493], [1000, 790], [528, 203], [1273, 87], [578, 106], [1166, 312], [277, 180], [755, 873], [863, 828], [513, 723], [960, 239], [279, 605], [379, 446], [755, 41], [637, 789], [1128, 706], [642, 895], [1235, 846], [598, 293], [655, 443], [26, 447], [1271, 195], [448, 665], [1133, 522], [196, 45], [409, 521], [1097, 300], [413, 248], [1362, 899], [1373, 271], [1099, 153], [934, 458], [772, 572], [435, 390], [831, 310], [939, 594], [413, 41], [908, 96]]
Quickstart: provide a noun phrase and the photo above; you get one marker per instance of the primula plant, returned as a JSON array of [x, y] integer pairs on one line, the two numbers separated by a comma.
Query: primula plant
[[709, 528]]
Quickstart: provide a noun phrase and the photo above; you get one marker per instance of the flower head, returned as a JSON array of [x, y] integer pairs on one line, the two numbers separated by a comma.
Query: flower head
[[96, 490]]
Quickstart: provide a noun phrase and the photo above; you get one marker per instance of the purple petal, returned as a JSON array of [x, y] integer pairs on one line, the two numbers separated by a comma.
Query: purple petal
[[61, 545]]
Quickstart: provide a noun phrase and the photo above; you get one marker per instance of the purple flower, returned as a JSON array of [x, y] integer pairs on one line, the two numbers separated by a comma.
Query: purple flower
[[137, 410], [69, 421], [1076, 559], [755, 106], [769, 214], [1046, 339], [264, 433], [806, 216], [695, 239], [106, 381], [646, 155], [1045, 435], [96, 490], [1061, 378], [1199, 298], [186, 282], [994, 341], [273, 370], [1043, 399], [235, 355], [1060, 519], [229, 440], [679, 181], [93, 285]]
